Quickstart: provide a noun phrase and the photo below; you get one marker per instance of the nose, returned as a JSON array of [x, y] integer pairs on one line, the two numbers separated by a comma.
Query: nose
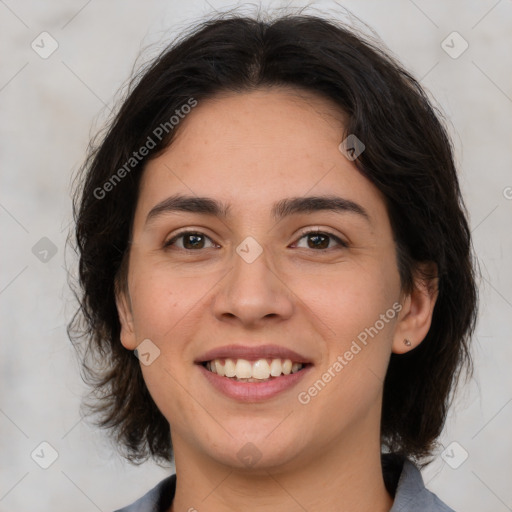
[[253, 293]]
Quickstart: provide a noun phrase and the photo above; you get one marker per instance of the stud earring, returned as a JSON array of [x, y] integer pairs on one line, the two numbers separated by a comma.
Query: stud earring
[[407, 343]]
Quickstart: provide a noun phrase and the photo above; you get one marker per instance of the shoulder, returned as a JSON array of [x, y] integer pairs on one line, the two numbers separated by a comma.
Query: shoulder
[[157, 499], [412, 495]]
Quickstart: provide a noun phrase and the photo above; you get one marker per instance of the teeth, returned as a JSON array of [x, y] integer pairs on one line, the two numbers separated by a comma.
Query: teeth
[[243, 369], [262, 369], [275, 367], [219, 367], [287, 367], [229, 368], [296, 367]]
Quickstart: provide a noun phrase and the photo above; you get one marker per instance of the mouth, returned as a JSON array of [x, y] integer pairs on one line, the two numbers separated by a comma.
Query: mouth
[[250, 373], [253, 371]]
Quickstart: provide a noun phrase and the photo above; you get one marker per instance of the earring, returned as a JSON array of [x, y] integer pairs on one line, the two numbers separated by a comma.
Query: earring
[[407, 343]]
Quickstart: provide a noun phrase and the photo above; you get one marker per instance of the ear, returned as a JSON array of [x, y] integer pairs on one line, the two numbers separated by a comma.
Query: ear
[[416, 315], [124, 310]]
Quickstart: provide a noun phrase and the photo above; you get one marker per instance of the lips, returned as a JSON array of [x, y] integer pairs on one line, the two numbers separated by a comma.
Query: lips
[[252, 353], [252, 373]]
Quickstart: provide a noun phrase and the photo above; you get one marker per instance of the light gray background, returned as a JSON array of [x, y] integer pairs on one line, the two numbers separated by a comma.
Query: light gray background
[[49, 108]]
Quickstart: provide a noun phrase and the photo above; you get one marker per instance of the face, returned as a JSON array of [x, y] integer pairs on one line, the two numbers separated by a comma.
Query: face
[[260, 275]]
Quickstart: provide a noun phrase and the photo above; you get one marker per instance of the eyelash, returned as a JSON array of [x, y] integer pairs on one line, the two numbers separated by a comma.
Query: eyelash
[[341, 242]]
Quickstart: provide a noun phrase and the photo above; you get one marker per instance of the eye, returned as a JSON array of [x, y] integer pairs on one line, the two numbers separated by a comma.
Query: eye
[[194, 240], [320, 240], [191, 240]]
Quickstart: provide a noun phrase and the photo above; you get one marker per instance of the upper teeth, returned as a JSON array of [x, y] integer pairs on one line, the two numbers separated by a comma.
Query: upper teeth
[[260, 369]]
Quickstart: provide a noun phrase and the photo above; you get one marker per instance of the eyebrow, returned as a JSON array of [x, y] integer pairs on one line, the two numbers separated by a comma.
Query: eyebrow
[[281, 209]]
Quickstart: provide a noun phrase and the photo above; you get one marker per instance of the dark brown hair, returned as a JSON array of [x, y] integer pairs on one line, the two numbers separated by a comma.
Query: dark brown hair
[[408, 157]]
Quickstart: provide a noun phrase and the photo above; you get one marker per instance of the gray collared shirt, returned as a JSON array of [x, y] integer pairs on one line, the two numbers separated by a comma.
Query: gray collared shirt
[[411, 495]]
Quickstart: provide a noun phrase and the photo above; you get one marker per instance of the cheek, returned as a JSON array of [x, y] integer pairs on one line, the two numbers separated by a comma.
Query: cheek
[[356, 311], [161, 299], [350, 299]]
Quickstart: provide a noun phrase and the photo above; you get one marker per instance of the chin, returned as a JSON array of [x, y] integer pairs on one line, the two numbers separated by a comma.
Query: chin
[[254, 452]]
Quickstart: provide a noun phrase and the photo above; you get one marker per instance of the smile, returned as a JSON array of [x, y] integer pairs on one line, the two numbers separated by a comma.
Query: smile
[[253, 373], [260, 370]]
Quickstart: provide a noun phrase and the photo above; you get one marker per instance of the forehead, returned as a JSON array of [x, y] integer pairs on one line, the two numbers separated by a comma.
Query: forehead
[[255, 124], [256, 148]]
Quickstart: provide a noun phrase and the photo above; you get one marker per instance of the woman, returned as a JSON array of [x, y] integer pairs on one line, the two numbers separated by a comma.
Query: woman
[[273, 226]]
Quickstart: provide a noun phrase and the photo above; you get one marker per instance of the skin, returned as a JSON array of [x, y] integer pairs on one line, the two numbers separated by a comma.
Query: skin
[[250, 150]]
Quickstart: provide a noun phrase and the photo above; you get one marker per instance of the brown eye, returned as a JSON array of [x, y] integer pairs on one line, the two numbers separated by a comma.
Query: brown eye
[[190, 240], [318, 241], [321, 240]]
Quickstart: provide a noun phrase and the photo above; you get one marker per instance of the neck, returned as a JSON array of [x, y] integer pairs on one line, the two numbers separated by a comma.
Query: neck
[[348, 478]]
